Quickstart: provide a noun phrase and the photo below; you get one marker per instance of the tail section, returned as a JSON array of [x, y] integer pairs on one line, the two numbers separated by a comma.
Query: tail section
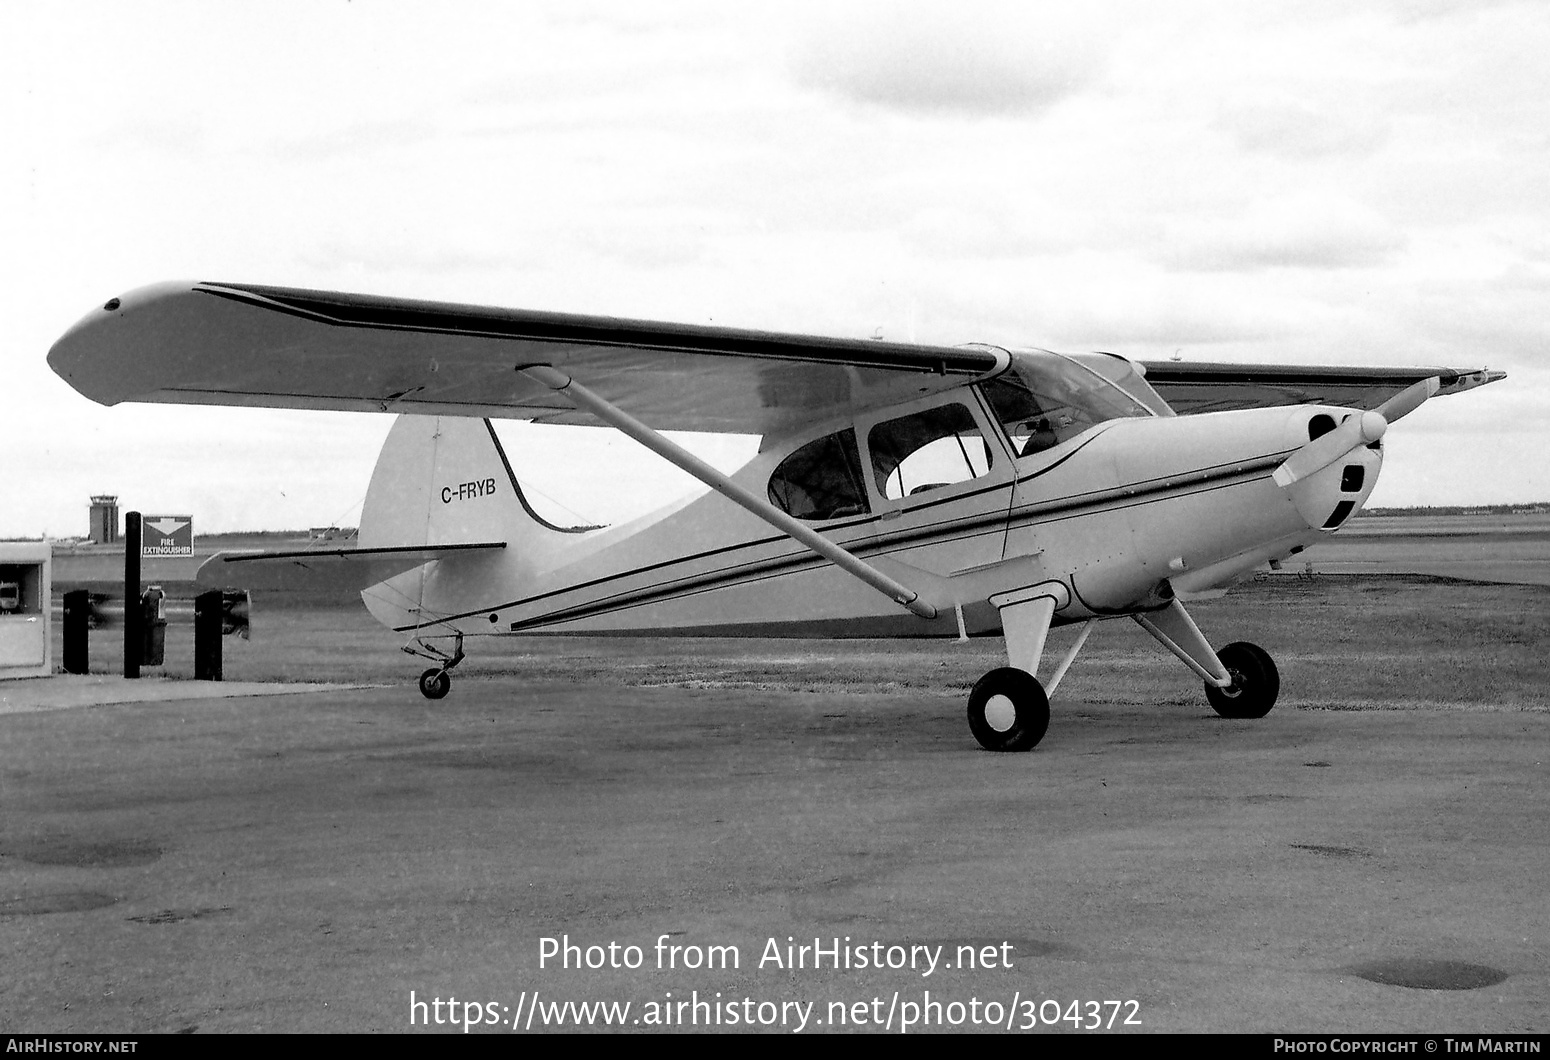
[[444, 480]]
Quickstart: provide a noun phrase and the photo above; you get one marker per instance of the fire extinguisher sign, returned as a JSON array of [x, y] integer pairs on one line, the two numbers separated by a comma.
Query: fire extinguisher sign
[[167, 535]]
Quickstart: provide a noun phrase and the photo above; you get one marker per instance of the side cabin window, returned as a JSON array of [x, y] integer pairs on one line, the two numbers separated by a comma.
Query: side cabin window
[[821, 480], [1046, 399], [927, 450]]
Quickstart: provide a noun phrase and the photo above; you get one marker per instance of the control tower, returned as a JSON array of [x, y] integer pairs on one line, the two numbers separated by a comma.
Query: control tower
[[104, 520]]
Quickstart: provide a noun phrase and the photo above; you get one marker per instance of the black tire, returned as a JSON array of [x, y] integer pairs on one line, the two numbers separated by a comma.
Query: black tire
[[435, 684], [1008, 710], [1255, 682]]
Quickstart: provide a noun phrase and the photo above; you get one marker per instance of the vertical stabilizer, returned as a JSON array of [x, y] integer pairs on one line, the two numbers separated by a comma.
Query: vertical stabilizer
[[444, 480]]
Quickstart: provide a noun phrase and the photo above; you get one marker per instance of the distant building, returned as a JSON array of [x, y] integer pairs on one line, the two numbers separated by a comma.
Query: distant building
[[333, 533], [104, 520]]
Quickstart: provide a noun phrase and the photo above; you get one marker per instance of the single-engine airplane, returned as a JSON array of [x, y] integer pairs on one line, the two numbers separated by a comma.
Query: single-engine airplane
[[899, 489]]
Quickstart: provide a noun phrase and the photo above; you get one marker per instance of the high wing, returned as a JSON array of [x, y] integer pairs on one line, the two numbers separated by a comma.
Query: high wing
[[238, 344], [242, 344], [1194, 386]]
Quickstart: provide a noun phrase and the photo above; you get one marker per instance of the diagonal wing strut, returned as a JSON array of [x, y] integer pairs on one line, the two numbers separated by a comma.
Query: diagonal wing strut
[[804, 535]]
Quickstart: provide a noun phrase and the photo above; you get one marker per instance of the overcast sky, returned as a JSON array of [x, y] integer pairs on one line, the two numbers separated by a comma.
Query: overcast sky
[[1293, 182]]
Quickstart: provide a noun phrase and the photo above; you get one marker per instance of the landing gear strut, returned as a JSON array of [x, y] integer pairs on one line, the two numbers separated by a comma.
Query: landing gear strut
[[435, 683], [1009, 708], [1241, 679]]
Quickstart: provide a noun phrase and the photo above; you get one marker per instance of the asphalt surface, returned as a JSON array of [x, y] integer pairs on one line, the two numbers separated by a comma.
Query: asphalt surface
[[63, 691], [323, 860]]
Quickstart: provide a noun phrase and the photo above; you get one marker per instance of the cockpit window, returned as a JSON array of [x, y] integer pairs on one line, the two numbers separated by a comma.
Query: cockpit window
[[821, 480], [1046, 399], [928, 450]]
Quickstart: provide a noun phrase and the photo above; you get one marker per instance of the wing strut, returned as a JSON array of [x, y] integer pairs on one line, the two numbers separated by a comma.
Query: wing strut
[[803, 534]]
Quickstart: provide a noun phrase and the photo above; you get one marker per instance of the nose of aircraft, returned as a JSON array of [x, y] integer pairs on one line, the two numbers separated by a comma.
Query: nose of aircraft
[[1357, 428], [1332, 474]]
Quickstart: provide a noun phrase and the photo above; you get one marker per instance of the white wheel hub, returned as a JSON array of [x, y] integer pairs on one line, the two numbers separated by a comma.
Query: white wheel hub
[[1000, 714]]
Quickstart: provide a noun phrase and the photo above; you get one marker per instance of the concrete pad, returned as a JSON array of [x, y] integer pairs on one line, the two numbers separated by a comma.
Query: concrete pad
[[326, 861], [95, 690], [1507, 549]]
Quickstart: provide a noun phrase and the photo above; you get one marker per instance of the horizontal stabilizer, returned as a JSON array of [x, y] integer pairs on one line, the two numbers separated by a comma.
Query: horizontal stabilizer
[[333, 568]]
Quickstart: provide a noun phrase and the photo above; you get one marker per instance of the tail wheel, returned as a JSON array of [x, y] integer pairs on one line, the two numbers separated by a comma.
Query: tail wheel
[[435, 683], [1008, 710], [1255, 682]]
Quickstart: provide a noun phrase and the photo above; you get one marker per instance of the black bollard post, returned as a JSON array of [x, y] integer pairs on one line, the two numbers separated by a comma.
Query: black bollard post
[[134, 626], [77, 622], [208, 620]]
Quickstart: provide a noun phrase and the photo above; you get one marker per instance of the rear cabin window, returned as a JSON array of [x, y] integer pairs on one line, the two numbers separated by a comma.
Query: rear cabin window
[[926, 451], [821, 480]]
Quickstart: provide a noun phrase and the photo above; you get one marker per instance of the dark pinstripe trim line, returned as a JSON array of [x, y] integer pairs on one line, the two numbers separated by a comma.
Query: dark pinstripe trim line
[[1148, 490], [996, 521], [1216, 477], [969, 524], [752, 574], [689, 587], [859, 548], [760, 570], [625, 574]]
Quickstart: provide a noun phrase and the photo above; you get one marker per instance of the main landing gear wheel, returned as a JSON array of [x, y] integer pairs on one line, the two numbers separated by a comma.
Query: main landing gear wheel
[[1008, 710], [435, 683], [1255, 682]]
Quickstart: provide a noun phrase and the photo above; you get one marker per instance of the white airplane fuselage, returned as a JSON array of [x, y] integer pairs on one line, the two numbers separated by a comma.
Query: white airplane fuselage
[[1120, 515]]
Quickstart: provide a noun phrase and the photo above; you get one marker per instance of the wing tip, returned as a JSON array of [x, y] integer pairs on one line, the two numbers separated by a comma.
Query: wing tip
[[1469, 380]]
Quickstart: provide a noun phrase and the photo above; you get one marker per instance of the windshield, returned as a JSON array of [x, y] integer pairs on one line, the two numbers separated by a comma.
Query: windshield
[[1125, 375], [1046, 399]]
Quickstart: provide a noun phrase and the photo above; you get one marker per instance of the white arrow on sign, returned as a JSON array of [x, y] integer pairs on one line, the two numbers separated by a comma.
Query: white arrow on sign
[[168, 527]]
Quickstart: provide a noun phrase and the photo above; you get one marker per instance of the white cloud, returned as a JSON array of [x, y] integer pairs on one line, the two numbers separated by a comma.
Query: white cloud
[[968, 58], [1297, 130], [1300, 231], [1288, 181]]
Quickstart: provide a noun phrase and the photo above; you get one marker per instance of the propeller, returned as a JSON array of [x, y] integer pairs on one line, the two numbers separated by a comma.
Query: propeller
[[1359, 428], [1409, 399]]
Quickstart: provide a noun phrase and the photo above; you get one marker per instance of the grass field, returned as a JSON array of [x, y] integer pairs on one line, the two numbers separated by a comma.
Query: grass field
[[1342, 643], [1400, 611]]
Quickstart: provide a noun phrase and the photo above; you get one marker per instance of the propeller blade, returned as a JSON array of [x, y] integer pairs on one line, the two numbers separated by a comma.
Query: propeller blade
[[1359, 428], [1409, 399]]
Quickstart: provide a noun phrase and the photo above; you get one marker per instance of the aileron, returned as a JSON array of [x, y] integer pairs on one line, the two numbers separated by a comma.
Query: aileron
[[1196, 386]]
